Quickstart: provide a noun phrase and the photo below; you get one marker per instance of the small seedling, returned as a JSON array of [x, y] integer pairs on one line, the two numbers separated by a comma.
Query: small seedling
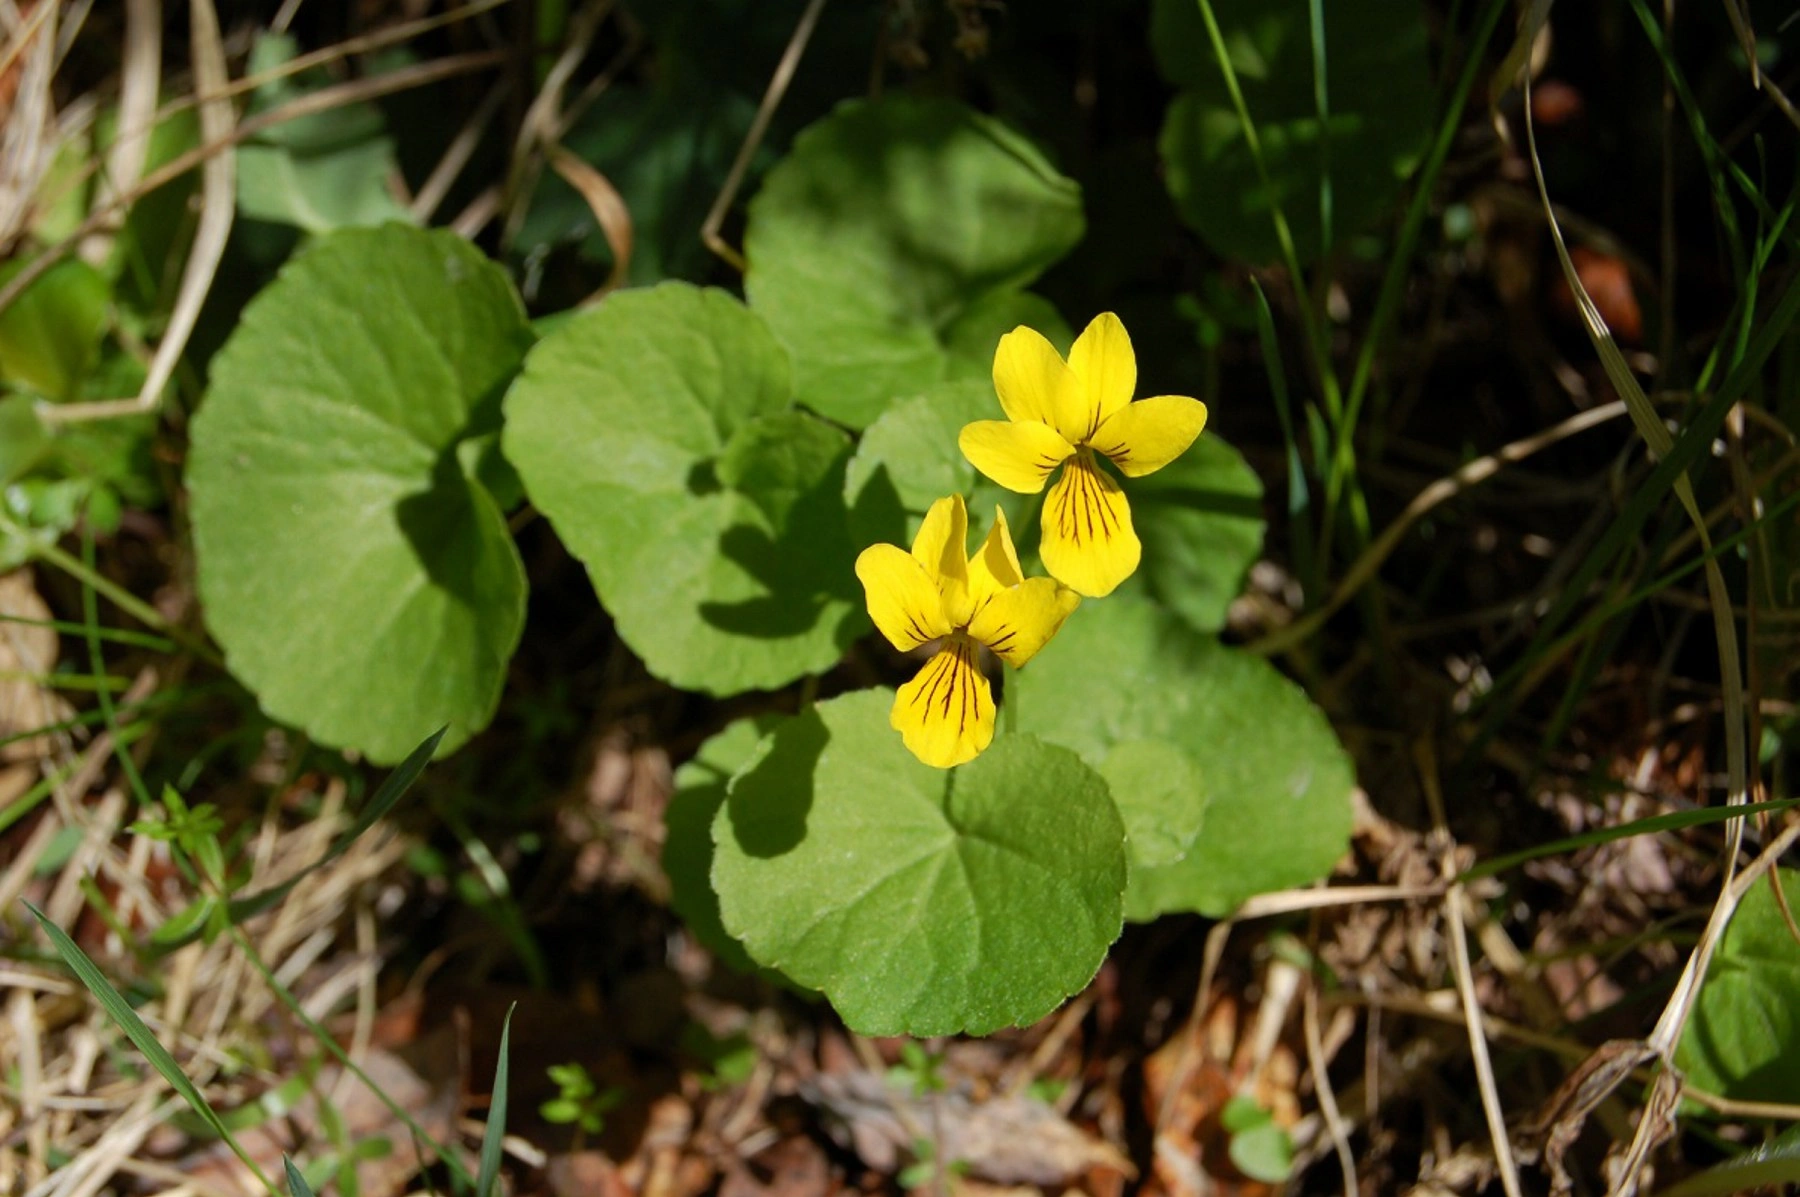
[[919, 1070], [580, 1101]]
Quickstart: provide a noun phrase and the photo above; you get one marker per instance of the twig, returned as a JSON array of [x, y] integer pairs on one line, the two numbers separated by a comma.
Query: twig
[[1369, 563], [1190, 1031], [1455, 911], [1328, 1107], [313, 102], [456, 155], [218, 188], [759, 127]]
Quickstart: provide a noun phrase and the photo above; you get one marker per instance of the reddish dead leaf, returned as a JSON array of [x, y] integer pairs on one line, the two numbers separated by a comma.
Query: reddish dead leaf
[[1555, 103], [1607, 280]]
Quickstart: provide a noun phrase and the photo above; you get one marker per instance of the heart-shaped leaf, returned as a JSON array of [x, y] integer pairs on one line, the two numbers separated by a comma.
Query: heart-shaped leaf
[[1743, 1041], [1200, 518], [920, 901], [888, 250], [1331, 169], [361, 584], [1274, 782], [656, 433]]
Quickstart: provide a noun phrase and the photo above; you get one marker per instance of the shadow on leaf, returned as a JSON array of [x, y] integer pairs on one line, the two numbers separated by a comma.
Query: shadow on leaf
[[803, 565], [769, 805]]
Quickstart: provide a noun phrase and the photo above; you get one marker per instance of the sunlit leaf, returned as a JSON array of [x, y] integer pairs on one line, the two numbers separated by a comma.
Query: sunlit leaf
[[887, 250], [1274, 784], [656, 432], [920, 901], [360, 582]]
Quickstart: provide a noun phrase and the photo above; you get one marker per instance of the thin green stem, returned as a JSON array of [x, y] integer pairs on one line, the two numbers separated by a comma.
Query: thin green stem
[[330, 1044], [97, 662], [123, 599]]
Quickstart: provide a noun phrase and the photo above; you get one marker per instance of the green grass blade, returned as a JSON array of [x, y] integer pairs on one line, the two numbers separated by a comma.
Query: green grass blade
[[1694, 441], [331, 1045], [158, 644], [390, 791], [297, 1186], [492, 1137], [141, 1036], [1605, 835]]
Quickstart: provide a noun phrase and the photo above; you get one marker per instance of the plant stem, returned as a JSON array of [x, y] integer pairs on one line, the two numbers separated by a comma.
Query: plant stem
[[123, 599]]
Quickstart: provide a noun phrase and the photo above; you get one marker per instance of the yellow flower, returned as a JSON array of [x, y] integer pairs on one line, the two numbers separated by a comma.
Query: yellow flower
[[1058, 412], [933, 596]]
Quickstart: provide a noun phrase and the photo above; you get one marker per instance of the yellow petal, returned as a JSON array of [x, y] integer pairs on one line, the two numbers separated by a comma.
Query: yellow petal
[[903, 600], [946, 713], [1102, 359], [1145, 436], [1017, 622], [995, 566], [1036, 385], [1088, 543], [1017, 456], [940, 546]]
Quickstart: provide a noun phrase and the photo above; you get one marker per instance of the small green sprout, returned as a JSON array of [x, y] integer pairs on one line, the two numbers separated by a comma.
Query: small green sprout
[[193, 832], [580, 1101], [919, 1070]]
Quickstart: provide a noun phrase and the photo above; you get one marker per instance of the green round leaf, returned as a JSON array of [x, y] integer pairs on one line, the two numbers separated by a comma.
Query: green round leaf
[[655, 432], [1743, 1041], [1264, 1153], [970, 342], [908, 459], [1275, 783], [890, 223], [1351, 162], [1160, 795], [326, 170], [359, 582], [50, 334], [920, 901], [1200, 518]]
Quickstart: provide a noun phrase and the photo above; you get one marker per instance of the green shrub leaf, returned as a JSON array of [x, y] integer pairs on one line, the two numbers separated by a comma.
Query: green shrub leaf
[[920, 901], [633, 426], [1200, 518], [50, 335], [23, 438], [1274, 782], [888, 249], [1743, 1041], [1379, 107], [323, 171], [361, 584]]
